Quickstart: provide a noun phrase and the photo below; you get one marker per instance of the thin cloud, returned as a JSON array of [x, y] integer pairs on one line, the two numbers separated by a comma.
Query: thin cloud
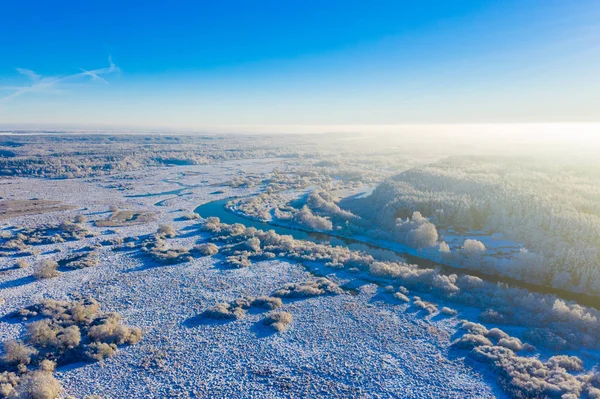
[[29, 73], [39, 83]]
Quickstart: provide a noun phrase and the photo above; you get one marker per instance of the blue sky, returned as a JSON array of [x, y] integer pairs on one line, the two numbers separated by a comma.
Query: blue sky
[[241, 63]]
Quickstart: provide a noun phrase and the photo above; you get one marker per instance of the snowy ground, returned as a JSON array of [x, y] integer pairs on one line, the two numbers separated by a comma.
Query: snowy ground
[[355, 345]]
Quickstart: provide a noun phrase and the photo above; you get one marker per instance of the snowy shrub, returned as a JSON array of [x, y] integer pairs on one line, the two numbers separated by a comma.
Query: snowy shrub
[[209, 249], [424, 305], [46, 269], [470, 341], [161, 251], [38, 385], [414, 276], [306, 218], [17, 353], [401, 297], [166, 231], [474, 328], [66, 330], [239, 261], [80, 219], [252, 244], [496, 333], [267, 302], [237, 308], [110, 330], [448, 311], [8, 381], [116, 241], [323, 201], [63, 332], [80, 261], [224, 311], [526, 377], [473, 249], [316, 287], [417, 231], [444, 248], [191, 216], [278, 320], [99, 351], [212, 224], [22, 264], [569, 363], [47, 365], [46, 333], [511, 343]]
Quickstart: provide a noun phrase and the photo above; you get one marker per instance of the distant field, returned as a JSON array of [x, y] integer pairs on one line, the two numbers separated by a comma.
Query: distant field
[[14, 208]]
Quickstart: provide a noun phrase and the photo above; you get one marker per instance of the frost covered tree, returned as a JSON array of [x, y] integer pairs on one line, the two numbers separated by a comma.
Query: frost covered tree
[[473, 249], [417, 231]]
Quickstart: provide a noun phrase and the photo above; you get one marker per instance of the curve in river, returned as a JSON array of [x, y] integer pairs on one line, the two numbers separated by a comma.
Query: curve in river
[[218, 209]]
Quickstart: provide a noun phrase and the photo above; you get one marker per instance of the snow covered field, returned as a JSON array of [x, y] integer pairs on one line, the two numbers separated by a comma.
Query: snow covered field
[[156, 264], [358, 344]]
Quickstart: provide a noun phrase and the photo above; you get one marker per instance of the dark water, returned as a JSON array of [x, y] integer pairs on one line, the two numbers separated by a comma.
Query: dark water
[[217, 208]]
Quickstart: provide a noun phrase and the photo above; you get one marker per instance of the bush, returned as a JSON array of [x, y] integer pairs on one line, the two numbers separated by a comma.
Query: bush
[[80, 219], [39, 385], [8, 381], [47, 365], [66, 332], [473, 249], [99, 351], [305, 217], [162, 252], [511, 343], [165, 230], [401, 297], [474, 328], [17, 353], [239, 261], [427, 306], [191, 216], [448, 311], [46, 269], [526, 377], [316, 287], [470, 341], [569, 363], [278, 320], [110, 330], [22, 264], [209, 249], [224, 311], [267, 302], [496, 333]]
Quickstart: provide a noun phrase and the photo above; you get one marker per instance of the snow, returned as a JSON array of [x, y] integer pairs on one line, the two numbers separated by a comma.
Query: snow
[[358, 344]]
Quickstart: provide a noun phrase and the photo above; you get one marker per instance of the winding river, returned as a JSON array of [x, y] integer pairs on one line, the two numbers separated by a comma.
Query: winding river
[[218, 209]]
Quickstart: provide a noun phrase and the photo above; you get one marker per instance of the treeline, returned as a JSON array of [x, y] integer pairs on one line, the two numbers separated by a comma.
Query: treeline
[[552, 209]]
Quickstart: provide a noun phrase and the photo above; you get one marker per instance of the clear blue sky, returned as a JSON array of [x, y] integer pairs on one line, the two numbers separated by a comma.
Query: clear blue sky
[[214, 63]]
